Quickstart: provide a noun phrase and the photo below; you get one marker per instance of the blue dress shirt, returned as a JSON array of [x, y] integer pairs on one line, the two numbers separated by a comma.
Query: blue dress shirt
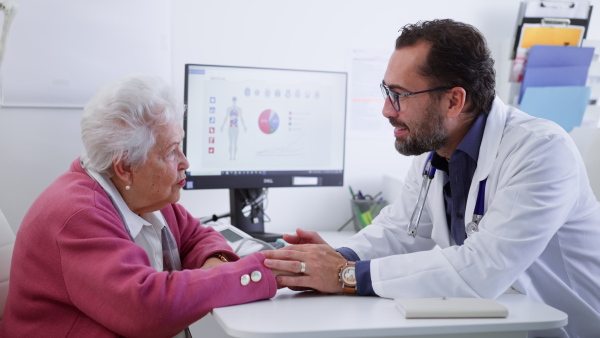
[[459, 174]]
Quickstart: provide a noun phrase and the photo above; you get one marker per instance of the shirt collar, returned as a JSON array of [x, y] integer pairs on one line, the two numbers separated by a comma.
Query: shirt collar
[[469, 145], [133, 222]]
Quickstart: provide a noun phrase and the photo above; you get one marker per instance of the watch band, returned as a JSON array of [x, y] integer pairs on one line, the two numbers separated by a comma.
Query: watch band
[[351, 290]]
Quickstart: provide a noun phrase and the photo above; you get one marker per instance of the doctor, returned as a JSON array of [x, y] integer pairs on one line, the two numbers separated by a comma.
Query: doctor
[[510, 205]]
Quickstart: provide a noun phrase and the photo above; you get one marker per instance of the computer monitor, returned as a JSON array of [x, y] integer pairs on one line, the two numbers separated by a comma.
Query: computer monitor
[[249, 129]]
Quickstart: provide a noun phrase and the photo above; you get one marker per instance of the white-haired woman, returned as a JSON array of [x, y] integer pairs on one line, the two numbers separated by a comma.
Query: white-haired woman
[[105, 251]]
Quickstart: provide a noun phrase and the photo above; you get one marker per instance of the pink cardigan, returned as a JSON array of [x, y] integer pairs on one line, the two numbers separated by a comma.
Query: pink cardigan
[[76, 273]]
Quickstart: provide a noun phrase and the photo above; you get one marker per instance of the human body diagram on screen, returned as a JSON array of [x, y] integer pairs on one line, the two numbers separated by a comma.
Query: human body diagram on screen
[[233, 114]]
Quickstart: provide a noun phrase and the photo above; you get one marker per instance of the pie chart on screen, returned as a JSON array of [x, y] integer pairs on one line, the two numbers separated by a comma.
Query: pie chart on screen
[[268, 121]]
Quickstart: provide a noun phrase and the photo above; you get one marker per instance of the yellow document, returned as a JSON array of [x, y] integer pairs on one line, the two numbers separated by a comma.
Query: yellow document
[[550, 35]]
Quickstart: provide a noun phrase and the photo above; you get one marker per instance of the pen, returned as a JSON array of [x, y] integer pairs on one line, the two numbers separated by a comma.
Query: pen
[[360, 195], [351, 192]]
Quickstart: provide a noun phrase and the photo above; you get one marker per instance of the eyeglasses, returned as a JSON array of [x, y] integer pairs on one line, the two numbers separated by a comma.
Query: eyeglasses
[[395, 97]]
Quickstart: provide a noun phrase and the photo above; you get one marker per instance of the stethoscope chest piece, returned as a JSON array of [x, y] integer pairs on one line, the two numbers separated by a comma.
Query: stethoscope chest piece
[[472, 227]]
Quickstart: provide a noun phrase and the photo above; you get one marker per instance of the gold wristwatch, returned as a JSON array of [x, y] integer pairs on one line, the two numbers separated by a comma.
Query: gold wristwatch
[[348, 277]]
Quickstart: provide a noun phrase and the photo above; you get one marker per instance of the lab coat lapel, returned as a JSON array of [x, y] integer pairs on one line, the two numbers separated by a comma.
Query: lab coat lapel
[[488, 151], [440, 233]]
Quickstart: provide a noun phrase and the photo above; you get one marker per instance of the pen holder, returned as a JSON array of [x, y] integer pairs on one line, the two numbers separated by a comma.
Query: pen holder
[[364, 210]]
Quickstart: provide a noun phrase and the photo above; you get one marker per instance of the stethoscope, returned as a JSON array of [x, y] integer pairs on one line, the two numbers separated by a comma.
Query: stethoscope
[[428, 174]]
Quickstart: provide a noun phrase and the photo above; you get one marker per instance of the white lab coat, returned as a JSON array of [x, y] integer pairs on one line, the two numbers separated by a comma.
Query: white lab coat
[[540, 233]]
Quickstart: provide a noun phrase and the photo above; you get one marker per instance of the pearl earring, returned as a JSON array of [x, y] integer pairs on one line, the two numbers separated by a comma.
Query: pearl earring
[[127, 187]]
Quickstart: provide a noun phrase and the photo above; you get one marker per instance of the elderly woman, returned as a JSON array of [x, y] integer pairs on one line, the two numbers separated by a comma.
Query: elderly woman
[[105, 250]]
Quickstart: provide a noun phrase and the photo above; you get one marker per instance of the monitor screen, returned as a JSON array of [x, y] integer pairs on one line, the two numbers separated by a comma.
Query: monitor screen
[[256, 128]]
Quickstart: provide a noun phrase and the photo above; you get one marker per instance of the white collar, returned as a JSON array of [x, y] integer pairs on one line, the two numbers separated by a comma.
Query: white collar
[[132, 221]]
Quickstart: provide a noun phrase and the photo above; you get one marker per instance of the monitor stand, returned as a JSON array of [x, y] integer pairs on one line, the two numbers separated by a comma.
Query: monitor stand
[[247, 213]]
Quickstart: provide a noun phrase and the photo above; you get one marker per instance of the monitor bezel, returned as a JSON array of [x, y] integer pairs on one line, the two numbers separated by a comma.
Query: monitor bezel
[[265, 179]]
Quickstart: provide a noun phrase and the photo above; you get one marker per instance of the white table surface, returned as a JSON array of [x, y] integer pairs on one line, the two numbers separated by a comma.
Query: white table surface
[[293, 314], [311, 314]]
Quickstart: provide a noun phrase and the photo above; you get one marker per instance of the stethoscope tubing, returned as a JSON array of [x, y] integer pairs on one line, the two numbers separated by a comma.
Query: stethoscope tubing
[[428, 174]]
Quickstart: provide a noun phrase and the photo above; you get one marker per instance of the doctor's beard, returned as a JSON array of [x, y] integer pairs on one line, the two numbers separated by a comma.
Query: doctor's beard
[[427, 134]]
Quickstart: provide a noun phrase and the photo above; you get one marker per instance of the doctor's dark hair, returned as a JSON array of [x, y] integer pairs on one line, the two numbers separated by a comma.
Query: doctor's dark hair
[[459, 57]]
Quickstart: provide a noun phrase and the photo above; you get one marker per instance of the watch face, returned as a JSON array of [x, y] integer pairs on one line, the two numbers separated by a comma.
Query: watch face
[[349, 276]]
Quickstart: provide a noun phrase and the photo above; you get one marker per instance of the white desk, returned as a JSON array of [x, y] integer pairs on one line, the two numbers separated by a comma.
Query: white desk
[[310, 314]]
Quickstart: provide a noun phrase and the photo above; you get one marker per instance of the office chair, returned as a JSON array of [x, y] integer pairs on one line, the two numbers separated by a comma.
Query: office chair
[[7, 242]]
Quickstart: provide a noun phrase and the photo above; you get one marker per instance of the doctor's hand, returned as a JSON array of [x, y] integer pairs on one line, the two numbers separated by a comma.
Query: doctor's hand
[[304, 237], [321, 267]]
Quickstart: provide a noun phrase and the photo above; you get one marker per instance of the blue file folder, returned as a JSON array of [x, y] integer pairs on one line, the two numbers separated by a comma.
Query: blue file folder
[[556, 66], [564, 105]]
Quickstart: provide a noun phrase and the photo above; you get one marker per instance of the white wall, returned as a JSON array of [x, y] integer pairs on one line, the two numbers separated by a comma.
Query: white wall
[[36, 145]]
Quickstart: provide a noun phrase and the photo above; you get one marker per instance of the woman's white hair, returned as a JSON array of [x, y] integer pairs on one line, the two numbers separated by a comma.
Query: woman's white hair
[[120, 121]]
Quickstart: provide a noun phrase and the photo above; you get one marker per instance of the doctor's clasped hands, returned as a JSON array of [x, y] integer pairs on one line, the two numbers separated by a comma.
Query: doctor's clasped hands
[[322, 264]]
